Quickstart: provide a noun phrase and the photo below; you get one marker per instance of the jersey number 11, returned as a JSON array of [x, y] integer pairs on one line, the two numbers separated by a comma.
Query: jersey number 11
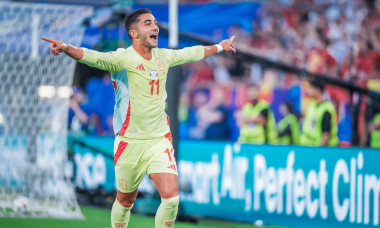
[[152, 83]]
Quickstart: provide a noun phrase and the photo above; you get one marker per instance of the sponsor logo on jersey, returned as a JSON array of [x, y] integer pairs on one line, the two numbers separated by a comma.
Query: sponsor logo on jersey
[[153, 74], [160, 64], [121, 225], [141, 67], [123, 184], [169, 223]]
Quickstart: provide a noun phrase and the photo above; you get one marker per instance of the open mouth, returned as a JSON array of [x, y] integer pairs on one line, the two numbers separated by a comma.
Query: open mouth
[[154, 37]]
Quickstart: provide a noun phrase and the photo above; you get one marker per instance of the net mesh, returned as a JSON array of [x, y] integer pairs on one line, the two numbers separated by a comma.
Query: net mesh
[[34, 91]]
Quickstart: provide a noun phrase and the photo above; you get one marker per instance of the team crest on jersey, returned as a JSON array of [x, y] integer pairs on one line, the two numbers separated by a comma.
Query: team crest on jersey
[[121, 225], [160, 64], [153, 74], [123, 184]]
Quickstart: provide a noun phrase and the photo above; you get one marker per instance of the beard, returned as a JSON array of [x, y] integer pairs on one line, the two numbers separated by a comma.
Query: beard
[[147, 43]]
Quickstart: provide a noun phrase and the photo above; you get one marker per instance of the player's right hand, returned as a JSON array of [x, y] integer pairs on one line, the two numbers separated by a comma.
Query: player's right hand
[[56, 46]]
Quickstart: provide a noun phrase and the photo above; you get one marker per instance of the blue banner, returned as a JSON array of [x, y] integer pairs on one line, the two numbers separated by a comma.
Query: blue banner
[[93, 162], [279, 185]]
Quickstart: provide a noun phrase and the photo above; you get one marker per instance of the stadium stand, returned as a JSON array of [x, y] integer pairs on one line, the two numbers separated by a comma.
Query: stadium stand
[[320, 37]]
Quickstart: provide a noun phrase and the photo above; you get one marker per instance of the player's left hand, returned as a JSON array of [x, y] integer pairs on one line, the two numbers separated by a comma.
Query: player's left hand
[[227, 45]]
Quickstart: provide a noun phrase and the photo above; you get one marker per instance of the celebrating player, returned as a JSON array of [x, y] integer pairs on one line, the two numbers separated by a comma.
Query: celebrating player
[[143, 140]]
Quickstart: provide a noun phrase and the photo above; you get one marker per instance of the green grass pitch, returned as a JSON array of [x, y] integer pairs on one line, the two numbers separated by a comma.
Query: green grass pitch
[[100, 218]]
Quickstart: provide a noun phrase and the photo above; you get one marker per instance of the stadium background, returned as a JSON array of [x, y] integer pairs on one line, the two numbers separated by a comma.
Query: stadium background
[[281, 46]]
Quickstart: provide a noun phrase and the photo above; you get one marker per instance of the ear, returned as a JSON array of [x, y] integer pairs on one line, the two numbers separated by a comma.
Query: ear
[[134, 33]]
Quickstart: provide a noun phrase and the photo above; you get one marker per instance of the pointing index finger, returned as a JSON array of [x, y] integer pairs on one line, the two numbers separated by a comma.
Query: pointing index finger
[[47, 39], [232, 38]]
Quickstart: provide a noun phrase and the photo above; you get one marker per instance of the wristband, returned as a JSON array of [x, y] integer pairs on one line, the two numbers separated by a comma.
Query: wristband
[[219, 47]]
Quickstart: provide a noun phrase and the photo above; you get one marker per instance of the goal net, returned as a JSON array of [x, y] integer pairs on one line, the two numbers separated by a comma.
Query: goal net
[[34, 97]]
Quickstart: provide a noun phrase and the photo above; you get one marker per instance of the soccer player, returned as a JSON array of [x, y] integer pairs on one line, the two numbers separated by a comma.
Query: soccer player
[[143, 140]]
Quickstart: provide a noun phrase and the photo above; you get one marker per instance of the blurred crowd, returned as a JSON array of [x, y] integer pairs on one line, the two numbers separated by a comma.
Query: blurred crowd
[[303, 114], [340, 38], [91, 110], [226, 99]]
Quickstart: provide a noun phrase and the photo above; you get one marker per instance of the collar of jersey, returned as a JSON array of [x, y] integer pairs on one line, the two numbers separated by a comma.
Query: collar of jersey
[[153, 57]]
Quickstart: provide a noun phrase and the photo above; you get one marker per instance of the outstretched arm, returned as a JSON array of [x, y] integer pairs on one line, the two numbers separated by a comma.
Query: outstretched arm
[[225, 45], [104, 61], [196, 53], [57, 47]]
